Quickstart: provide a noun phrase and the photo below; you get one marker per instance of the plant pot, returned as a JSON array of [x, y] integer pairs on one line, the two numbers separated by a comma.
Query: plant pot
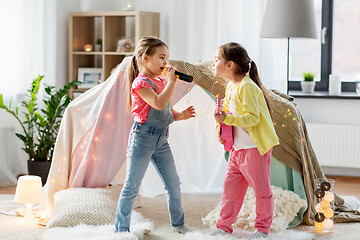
[[307, 86], [98, 48], [39, 169]]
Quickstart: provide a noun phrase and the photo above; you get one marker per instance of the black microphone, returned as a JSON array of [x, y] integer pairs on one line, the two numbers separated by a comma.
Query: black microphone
[[181, 76]]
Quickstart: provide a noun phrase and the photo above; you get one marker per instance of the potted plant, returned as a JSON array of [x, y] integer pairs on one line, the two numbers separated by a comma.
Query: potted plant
[[308, 85], [98, 45], [40, 126]]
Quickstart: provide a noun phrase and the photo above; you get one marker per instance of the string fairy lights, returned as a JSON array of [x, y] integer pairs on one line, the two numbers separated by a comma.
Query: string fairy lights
[[324, 208]]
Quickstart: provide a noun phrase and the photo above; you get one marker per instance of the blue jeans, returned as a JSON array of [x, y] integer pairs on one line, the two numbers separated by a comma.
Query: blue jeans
[[148, 143]]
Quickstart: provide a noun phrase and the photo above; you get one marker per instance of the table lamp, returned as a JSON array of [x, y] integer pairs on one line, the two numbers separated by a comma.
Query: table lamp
[[29, 191], [289, 19]]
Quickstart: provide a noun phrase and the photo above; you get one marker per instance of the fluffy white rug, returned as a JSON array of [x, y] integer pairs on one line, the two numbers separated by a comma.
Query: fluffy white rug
[[238, 234], [195, 206], [106, 232], [11, 229], [139, 227], [85, 232]]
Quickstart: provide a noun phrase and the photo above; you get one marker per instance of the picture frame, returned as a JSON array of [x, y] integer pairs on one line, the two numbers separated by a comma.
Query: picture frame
[[77, 94], [89, 77]]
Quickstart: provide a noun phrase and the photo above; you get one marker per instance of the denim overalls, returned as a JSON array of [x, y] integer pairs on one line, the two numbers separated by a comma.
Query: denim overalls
[[148, 141]]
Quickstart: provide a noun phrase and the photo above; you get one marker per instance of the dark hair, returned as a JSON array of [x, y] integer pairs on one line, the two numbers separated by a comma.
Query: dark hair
[[147, 46], [236, 53]]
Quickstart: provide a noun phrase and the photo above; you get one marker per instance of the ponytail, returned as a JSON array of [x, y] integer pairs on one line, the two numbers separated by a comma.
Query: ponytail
[[254, 75], [132, 71]]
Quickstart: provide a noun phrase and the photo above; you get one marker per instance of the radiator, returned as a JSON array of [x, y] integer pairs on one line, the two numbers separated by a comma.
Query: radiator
[[336, 145]]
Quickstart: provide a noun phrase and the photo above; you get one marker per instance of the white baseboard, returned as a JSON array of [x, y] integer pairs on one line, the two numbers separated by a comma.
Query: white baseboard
[[341, 171]]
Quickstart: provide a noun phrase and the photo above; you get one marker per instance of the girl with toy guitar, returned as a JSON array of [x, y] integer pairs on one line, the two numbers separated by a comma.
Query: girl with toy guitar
[[253, 140]]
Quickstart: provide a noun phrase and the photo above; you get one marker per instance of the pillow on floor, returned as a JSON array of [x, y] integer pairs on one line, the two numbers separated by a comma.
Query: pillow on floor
[[286, 206], [92, 206]]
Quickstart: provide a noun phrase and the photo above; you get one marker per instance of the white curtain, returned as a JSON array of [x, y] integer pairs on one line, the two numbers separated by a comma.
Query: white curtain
[[21, 24], [21, 41], [193, 29], [197, 27]]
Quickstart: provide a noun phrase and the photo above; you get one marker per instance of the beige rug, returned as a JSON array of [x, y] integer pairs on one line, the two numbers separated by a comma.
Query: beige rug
[[195, 206]]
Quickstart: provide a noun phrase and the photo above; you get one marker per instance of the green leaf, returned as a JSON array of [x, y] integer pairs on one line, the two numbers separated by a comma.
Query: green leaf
[[22, 138], [41, 119], [41, 124], [308, 76]]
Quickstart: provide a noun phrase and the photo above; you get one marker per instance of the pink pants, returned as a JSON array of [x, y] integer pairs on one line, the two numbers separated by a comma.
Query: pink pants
[[247, 166]]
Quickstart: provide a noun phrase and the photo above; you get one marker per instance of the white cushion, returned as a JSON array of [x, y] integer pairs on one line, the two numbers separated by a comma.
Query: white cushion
[[286, 206], [92, 206]]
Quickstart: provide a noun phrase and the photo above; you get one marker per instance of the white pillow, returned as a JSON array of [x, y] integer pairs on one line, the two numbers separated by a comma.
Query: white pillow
[[286, 206], [92, 206]]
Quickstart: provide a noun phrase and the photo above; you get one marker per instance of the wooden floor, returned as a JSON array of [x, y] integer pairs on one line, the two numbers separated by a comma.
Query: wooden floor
[[8, 190], [347, 185], [343, 186]]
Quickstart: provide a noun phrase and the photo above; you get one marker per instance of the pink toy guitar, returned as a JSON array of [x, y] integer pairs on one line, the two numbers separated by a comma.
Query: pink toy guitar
[[226, 130]]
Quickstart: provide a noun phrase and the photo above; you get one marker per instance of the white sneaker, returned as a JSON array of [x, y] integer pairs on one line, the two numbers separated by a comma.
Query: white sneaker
[[180, 229], [257, 235], [218, 232]]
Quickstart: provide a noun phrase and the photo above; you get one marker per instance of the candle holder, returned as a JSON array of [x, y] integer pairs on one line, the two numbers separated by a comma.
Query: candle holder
[[324, 204], [128, 5], [88, 47]]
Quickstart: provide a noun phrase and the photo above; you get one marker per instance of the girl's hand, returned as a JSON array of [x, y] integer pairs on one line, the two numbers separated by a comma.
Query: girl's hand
[[220, 117], [170, 74], [218, 134], [188, 113]]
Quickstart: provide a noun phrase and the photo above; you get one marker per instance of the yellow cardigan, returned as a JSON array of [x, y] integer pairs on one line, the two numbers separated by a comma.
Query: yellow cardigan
[[253, 114]]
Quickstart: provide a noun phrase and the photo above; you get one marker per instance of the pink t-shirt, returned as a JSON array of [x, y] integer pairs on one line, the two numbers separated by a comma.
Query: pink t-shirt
[[139, 108]]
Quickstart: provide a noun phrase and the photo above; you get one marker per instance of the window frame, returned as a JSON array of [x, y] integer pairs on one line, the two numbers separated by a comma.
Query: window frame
[[326, 54]]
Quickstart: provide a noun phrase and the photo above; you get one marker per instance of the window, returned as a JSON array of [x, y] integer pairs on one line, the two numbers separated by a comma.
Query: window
[[336, 51], [346, 39], [305, 54]]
